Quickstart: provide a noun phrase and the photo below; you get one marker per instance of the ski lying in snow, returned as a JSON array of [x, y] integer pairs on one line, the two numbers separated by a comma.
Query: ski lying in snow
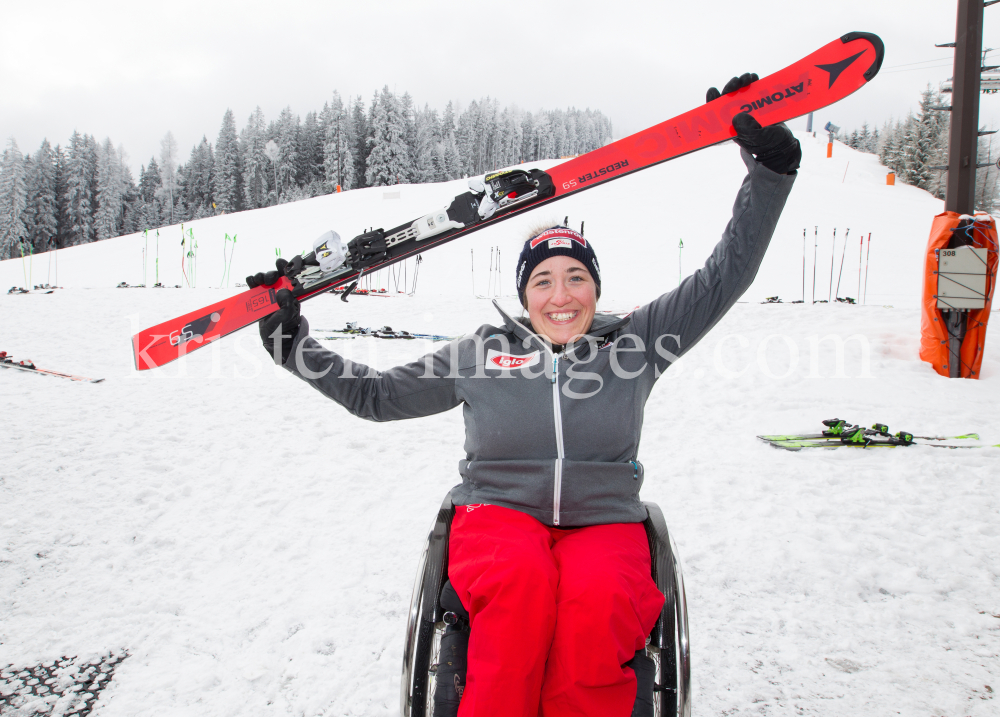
[[353, 331], [867, 442], [841, 434], [837, 429], [7, 362], [830, 74]]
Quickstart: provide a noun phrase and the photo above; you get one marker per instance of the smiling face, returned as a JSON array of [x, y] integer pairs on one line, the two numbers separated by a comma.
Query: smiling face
[[561, 298]]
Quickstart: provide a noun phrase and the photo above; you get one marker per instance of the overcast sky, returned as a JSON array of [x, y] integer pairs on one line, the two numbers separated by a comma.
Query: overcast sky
[[132, 71]]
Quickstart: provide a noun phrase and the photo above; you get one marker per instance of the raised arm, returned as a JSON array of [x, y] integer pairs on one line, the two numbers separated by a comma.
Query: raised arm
[[421, 388], [679, 319]]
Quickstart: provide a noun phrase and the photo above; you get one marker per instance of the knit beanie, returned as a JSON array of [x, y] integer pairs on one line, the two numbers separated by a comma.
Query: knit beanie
[[556, 241]]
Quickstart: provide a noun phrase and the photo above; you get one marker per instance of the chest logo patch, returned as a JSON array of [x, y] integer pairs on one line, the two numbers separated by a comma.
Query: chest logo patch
[[495, 359]]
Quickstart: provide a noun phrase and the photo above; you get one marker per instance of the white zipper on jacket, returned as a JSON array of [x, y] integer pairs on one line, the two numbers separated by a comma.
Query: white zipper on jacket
[[560, 450]]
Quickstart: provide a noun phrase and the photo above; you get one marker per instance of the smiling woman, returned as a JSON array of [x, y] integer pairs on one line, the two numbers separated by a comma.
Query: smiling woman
[[547, 551]]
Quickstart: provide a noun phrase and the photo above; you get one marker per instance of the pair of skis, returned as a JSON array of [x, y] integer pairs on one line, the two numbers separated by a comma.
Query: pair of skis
[[353, 331], [831, 73], [840, 433], [7, 362]]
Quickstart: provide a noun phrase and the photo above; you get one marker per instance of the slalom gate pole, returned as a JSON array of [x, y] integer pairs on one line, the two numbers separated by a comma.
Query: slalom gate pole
[[229, 269], [472, 260], [183, 247], [840, 274], [157, 256], [803, 265], [20, 247], [867, 254], [833, 252], [815, 249], [145, 253], [48, 274], [225, 243], [861, 254], [680, 254]]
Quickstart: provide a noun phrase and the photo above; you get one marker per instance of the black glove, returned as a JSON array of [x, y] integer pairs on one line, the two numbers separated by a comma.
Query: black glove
[[737, 83], [287, 318], [266, 278], [775, 147]]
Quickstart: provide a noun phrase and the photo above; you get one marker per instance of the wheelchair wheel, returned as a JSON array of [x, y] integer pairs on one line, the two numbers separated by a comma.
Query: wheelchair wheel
[[424, 622], [668, 644]]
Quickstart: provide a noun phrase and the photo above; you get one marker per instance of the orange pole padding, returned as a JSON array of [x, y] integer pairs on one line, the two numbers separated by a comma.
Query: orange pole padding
[[890, 179], [933, 332], [829, 149], [338, 188]]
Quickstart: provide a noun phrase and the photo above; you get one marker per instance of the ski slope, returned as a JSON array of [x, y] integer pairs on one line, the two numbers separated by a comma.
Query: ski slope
[[253, 546]]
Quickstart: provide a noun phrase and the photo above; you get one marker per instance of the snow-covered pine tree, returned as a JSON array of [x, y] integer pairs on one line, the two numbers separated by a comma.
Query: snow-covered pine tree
[[43, 225], [339, 143], [255, 162], [428, 137], [79, 199], [313, 170], [196, 181], [388, 160], [406, 110], [359, 150], [986, 177], [227, 182], [62, 196], [168, 175], [451, 160], [110, 192], [13, 199], [289, 160]]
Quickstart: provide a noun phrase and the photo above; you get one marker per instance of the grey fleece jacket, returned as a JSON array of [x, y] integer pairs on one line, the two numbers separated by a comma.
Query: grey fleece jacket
[[556, 436]]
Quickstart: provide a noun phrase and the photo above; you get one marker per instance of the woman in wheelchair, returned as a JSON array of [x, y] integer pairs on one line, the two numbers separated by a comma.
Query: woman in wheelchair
[[547, 551]]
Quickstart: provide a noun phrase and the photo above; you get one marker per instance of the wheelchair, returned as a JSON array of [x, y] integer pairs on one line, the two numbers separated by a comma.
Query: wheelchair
[[667, 688]]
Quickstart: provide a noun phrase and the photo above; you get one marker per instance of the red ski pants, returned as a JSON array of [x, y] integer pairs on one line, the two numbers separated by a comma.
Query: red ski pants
[[555, 613]]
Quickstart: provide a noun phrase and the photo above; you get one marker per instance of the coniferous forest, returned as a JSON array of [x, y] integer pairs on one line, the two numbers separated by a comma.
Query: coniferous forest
[[84, 191], [916, 150]]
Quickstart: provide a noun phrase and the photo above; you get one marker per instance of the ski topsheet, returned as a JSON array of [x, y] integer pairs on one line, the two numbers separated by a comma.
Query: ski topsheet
[[816, 81]]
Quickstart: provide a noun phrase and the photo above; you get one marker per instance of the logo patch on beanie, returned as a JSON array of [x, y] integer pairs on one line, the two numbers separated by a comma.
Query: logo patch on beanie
[[564, 236]]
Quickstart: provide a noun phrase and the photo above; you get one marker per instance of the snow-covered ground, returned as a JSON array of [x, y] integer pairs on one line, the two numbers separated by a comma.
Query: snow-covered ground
[[253, 546]]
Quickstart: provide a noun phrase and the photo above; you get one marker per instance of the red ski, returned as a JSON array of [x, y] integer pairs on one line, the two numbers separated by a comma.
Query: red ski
[[7, 362], [816, 81]]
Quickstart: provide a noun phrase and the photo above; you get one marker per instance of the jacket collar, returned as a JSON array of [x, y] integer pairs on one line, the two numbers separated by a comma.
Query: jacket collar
[[602, 326]]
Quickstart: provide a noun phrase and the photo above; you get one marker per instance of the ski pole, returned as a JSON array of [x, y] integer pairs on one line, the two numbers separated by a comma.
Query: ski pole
[[803, 265], [841, 273], [815, 249], [833, 251], [229, 269], [183, 246], [867, 254], [861, 252], [680, 252]]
